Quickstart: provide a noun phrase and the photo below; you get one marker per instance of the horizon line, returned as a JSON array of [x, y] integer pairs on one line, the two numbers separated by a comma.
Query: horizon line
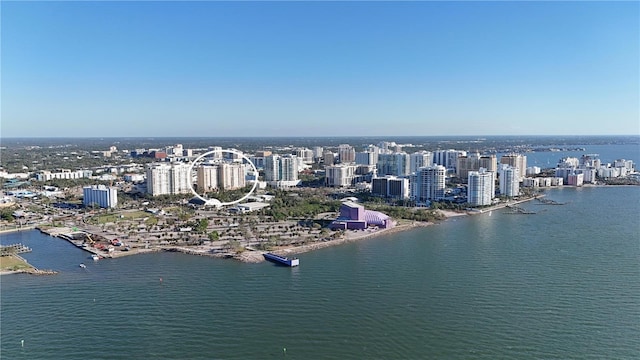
[[303, 137]]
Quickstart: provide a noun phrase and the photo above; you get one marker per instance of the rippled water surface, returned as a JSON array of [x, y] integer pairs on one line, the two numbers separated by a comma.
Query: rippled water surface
[[563, 283]]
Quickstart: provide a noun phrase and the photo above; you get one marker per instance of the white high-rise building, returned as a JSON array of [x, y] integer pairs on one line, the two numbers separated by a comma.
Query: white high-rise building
[[509, 182], [216, 155], [340, 175], [180, 178], [281, 171], [158, 179], [306, 155], [448, 158], [105, 197], [420, 159], [429, 183], [165, 179], [396, 164], [481, 187], [317, 152], [366, 158]]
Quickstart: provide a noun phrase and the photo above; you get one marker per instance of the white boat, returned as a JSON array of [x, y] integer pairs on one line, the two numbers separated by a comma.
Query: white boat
[[83, 266], [95, 257]]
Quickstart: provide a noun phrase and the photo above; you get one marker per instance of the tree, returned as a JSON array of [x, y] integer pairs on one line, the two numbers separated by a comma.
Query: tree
[[214, 236], [7, 214]]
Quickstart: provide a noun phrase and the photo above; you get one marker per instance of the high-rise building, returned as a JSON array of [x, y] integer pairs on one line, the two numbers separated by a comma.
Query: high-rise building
[[231, 176], [281, 170], [420, 159], [509, 181], [165, 179], [396, 164], [317, 152], [517, 161], [102, 196], [474, 162], [207, 178], [220, 176], [481, 187], [340, 175], [429, 183], [366, 158], [328, 157], [448, 158], [217, 155], [390, 186], [305, 154], [346, 153]]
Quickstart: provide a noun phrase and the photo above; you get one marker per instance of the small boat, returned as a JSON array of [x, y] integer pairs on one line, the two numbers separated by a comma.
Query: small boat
[[95, 257], [83, 266], [281, 259]]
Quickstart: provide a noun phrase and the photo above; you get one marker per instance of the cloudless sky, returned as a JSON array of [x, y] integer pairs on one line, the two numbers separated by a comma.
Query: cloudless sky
[[319, 68]]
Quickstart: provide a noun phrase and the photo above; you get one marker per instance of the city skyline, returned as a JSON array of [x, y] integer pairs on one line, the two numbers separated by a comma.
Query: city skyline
[[159, 69]]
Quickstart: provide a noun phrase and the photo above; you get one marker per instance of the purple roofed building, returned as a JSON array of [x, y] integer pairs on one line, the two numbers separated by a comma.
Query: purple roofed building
[[354, 217]]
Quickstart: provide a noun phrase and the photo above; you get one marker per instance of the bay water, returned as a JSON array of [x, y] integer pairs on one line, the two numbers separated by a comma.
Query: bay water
[[559, 284]]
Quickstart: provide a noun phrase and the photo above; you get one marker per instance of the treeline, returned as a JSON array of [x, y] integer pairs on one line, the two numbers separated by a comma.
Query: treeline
[[295, 205], [415, 214]]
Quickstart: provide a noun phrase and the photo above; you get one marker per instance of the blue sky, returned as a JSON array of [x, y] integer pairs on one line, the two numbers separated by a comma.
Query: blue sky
[[319, 68]]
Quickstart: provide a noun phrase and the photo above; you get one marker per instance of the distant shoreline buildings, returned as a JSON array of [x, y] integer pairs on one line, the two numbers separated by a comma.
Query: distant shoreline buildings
[[385, 169]]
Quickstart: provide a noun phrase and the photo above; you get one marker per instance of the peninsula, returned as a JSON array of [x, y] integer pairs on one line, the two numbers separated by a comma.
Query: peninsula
[[143, 200]]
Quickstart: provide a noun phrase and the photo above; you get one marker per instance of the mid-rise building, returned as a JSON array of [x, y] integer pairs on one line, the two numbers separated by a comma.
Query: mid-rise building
[[533, 170], [568, 162], [481, 187], [575, 179], [63, 174], [100, 195]]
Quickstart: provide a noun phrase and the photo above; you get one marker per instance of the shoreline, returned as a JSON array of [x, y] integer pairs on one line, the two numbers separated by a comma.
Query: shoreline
[[18, 229], [255, 256]]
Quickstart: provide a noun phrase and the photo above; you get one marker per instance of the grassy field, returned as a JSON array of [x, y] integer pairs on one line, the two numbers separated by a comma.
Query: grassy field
[[114, 218], [12, 263]]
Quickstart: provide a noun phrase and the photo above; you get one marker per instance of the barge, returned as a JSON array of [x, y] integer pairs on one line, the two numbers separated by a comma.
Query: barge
[[281, 259]]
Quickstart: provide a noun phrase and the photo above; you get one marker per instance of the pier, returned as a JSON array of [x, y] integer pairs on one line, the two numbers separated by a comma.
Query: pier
[[548, 202], [519, 211], [14, 249]]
